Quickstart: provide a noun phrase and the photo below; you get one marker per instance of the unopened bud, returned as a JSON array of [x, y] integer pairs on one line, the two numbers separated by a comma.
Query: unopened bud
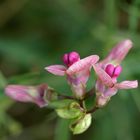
[[71, 58], [113, 71]]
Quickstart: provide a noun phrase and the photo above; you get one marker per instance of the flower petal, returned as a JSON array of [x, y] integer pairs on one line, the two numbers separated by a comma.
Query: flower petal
[[100, 87], [18, 92], [110, 92], [78, 78], [102, 101], [83, 76], [34, 94], [103, 76], [82, 64], [118, 53], [78, 90], [56, 69], [127, 84]]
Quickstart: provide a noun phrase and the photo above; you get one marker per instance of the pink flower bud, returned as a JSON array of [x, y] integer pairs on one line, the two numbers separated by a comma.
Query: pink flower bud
[[117, 71], [110, 70], [71, 58], [66, 59], [113, 71]]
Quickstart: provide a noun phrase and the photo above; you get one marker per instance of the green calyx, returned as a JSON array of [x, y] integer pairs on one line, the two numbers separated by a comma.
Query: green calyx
[[73, 110], [81, 124]]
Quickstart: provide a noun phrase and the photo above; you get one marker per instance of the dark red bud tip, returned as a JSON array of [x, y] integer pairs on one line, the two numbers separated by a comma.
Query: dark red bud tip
[[71, 58]]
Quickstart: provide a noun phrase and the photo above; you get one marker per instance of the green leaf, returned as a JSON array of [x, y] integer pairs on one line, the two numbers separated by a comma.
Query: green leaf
[[80, 125], [70, 112]]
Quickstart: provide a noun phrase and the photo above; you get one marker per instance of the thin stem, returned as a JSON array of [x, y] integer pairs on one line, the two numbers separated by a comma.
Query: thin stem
[[81, 103], [66, 97], [90, 93], [93, 109]]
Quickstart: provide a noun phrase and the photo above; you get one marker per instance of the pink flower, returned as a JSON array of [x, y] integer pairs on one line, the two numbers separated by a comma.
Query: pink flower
[[77, 71], [34, 94], [109, 70]]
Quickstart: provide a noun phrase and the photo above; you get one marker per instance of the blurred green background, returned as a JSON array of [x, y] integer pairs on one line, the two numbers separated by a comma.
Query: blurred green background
[[36, 33]]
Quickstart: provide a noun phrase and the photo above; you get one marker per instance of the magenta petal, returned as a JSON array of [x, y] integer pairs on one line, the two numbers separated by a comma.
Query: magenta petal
[[117, 71], [118, 53], [71, 58], [103, 76], [82, 64], [110, 69], [56, 69], [65, 58], [127, 84]]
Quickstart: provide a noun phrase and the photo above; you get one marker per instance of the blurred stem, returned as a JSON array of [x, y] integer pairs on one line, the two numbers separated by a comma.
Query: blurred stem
[[111, 14], [134, 16], [3, 81]]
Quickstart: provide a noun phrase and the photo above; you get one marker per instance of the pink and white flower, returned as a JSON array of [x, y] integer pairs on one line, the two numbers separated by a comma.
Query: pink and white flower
[[109, 70], [76, 70]]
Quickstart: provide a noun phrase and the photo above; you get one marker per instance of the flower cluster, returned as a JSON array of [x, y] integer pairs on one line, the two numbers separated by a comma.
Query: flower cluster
[[77, 72]]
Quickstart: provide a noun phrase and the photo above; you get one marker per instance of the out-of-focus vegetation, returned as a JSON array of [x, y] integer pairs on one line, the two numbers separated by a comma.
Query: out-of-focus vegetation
[[36, 33]]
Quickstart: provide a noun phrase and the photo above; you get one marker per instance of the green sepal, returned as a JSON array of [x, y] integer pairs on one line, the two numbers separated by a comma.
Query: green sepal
[[51, 95], [70, 112], [81, 124]]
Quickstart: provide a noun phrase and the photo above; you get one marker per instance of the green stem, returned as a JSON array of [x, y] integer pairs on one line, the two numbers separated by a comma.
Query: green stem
[[93, 109], [90, 93], [66, 97]]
